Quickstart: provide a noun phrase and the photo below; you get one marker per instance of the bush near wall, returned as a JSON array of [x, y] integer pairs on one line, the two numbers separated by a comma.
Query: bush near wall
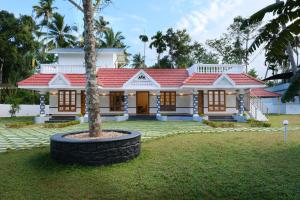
[[18, 124], [219, 124], [255, 123], [61, 125]]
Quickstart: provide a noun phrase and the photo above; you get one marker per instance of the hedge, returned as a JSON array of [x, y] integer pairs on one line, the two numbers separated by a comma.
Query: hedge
[[18, 124], [219, 124], [61, 125]]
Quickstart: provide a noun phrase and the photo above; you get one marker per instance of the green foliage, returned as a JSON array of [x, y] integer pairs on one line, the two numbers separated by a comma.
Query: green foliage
[[60, 34], [61, 125], [14, 102], [256, 123], [112, 39], [23, 96], [293, 88], [17, 46], [137, 61], [219, 124], [252, 72], [18, 124]]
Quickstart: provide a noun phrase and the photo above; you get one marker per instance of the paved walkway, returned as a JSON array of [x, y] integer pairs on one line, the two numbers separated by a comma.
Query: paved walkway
[[26, 138]]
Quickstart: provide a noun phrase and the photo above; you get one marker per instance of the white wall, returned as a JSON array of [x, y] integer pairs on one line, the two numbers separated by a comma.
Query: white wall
[[103, 60], [25, 110], [277, 107]]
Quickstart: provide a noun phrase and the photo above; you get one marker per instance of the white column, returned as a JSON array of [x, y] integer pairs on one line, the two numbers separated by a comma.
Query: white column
[[158, 104], [125, 103], [42, 105], [195, 104], [241, 103]]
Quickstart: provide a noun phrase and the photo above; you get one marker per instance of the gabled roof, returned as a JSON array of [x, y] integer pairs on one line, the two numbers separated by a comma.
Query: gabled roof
[[209, 79], [260, 92], [165, 78]]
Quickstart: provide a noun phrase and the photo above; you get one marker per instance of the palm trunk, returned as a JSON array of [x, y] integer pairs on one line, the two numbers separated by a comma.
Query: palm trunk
[[144, 54], [93, 103], [158, 60]]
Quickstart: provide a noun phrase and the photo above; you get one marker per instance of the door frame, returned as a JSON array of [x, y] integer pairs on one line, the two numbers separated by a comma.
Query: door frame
[[200, 102], [137, 99], [82, 102]]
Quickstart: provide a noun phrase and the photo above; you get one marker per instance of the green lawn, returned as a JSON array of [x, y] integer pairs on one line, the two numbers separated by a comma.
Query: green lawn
[[186, 166]]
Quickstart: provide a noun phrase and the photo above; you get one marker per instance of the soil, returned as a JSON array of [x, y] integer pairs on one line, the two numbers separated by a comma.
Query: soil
[[105, 134]]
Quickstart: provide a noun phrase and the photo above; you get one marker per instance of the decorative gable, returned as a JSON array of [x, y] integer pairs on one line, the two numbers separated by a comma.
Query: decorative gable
[[141, 80], [59, 81], [224, 81]]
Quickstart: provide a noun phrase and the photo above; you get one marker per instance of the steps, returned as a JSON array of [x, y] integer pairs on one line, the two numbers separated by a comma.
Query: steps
[[218, 118], [141, 117], [60, 119]]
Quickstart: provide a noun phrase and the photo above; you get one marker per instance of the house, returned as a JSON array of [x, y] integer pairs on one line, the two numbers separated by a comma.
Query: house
[[202, 89]]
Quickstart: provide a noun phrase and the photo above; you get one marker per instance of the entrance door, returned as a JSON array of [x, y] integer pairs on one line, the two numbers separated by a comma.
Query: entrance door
[[200, 102], [142, 102], [82, 102]]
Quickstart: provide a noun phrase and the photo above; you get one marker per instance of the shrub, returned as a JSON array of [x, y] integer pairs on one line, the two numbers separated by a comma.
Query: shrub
[[18, 124], [256, 123], [219, 124], [61, 125]]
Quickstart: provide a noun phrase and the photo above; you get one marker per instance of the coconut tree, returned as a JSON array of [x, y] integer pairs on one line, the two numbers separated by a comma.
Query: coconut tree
[[137, 61], [112, 39], [93, 103], [44, 10], [158, 42], [278, 34], [144, 39], [60, 34]]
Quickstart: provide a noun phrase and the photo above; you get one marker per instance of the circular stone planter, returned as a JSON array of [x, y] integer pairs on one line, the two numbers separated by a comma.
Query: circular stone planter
[[103, 151]]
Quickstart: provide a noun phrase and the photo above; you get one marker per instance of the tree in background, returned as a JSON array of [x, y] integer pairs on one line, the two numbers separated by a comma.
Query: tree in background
[[178, 43], [137, 61], [101, 25], [44, 10], [112, 39], [200, 54], [17, 46], [278, 35], [60, 34], [144, 39], [159, 43], [252, 72], [232, 46]]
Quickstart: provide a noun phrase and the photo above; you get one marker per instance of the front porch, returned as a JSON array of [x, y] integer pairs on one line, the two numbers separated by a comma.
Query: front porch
[[161, 105]]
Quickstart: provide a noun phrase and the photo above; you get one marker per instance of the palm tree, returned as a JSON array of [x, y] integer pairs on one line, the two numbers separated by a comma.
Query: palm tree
[[93, 102], [278, 34], [144, 38], [44, 10], [112, 40], [100, 26], [158, 41], [60, 34], [137, 61]]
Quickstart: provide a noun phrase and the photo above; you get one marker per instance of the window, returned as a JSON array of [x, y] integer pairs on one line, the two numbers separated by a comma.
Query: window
[[116, 100], [216, 100], [67, 100], [168, 101]]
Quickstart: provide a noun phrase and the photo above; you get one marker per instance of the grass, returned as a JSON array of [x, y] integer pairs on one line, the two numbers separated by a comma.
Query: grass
[[186, 166]]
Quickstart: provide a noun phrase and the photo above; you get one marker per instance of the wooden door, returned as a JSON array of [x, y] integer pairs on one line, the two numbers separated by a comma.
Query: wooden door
[[142, 102], [82, 102], [200, 102]]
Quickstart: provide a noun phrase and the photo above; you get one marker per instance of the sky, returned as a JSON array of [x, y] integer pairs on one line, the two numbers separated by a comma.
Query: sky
[[203, 19]]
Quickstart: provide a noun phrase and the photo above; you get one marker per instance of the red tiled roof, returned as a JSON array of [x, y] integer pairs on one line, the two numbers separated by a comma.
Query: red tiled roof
[[244, 79], [260, 92], [209, 79], [76, 79], [165, 77], [201, 79], [37, 79]]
